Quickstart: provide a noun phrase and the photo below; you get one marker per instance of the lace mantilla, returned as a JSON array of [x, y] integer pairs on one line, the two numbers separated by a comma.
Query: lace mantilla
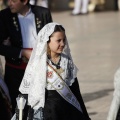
[[34, 80]]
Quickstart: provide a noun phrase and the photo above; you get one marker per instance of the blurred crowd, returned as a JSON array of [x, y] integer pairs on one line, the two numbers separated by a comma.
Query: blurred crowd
[[78, 6]]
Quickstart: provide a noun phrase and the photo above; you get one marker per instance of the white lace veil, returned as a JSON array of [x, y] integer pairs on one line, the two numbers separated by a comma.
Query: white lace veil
[[34, 80]]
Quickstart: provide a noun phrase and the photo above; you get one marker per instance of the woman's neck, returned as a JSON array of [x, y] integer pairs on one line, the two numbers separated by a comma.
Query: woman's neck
[[55, 58]]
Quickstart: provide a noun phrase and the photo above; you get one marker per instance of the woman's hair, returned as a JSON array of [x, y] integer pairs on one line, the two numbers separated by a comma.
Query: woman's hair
[[58, 28]]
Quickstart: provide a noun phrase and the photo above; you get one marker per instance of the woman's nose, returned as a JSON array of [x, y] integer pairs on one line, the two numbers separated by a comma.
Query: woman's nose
[[62, 43]]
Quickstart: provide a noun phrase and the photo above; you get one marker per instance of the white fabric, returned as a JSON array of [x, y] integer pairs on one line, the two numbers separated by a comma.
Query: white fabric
[[115, 104], [43, 3], [66, 65], [14, 117], [34, 80], [32, 2], [28, 29], [80, 6]]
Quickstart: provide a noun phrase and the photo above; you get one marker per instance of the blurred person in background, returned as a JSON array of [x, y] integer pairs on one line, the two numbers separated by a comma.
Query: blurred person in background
[[2, 5], [43, 3], [114, 111], [116, 5], [80, 7], [19, 24], [33, 2]]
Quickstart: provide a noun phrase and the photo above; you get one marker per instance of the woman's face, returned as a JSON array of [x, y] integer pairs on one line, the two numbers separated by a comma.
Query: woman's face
[[57, 42]]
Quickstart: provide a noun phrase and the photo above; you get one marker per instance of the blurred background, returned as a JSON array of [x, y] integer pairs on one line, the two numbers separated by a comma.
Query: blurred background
[[94, 5], [94, 40]]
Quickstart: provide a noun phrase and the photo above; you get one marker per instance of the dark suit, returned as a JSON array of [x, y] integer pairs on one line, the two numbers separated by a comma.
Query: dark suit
[[10, 27]]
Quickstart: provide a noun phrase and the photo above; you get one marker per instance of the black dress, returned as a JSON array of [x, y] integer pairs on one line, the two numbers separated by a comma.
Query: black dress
[[56, 108]]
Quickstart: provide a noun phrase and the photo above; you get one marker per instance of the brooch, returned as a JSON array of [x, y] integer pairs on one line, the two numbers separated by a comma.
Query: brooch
[[15, 23], [38, 22]]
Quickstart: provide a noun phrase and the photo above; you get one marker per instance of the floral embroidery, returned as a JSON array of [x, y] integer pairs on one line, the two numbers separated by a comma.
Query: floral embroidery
[[15, 23], [50, 74], [38, 22]]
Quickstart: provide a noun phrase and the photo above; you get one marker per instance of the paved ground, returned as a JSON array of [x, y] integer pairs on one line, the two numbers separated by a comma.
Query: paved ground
[[95, 45]]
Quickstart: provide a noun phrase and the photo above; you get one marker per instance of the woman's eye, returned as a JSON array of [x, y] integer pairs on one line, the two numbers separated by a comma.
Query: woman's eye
[[64, 40], [58, 40]]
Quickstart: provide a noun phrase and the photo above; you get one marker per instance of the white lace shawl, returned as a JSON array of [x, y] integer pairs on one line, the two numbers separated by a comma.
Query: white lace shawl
[[34, 80], [115, 104]]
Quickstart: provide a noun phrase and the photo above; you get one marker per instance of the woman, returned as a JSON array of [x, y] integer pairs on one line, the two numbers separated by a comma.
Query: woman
[[50, 79]]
